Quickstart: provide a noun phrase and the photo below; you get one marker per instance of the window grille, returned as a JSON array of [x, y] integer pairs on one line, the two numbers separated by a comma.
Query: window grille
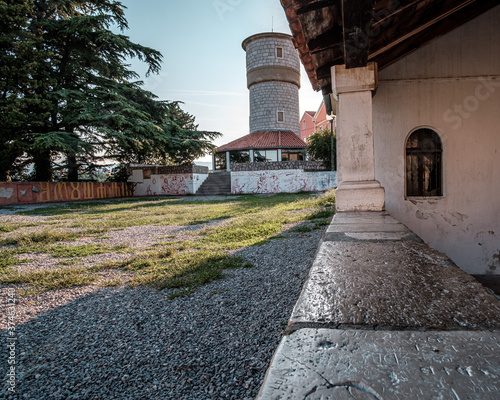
[[424, 164]]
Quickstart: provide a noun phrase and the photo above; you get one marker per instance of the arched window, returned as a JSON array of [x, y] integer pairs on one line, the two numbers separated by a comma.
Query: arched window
[[424, 164]]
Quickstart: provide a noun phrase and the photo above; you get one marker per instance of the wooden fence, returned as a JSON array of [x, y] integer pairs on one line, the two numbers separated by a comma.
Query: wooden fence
[[48, 192]]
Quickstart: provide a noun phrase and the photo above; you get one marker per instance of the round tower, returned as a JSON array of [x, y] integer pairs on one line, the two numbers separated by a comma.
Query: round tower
[[273, 78]]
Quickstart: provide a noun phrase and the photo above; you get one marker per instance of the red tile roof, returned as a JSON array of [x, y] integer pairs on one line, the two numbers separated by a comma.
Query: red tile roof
[[265, 140]]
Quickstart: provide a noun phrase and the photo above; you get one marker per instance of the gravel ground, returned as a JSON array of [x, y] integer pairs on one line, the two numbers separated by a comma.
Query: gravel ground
[[135, 343]]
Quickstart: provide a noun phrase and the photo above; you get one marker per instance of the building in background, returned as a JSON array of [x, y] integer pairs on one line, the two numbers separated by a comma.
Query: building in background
[[271, 158], [314, 121], [273, 81]]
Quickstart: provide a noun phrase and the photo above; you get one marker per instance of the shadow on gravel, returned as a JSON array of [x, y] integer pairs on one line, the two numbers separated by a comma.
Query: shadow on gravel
[[131, 343]]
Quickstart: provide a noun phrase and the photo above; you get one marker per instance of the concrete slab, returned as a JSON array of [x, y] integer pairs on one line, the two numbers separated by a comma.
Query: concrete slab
[[355, 364], [378, 236], [364, 218], [424, 329], [367, 227], [391, 285]]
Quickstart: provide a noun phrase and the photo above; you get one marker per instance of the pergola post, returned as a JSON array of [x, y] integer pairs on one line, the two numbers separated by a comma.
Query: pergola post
[[228, 161], [357, 190]]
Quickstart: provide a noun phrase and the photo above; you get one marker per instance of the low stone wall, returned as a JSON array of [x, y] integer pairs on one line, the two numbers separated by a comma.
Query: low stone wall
[[167, 184], [278, 165], [282, 181], [48, 192], [169, 170]]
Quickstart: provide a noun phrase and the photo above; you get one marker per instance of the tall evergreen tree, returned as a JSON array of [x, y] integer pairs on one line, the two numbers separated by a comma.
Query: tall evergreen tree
[[88, 105]]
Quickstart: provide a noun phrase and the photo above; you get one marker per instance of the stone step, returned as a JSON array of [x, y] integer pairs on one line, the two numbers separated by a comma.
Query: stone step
[[216, 184]]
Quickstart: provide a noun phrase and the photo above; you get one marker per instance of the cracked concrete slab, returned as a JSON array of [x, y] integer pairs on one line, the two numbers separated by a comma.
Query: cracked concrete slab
[[389, 284], [368, 228], [384, 316], [355, 364]]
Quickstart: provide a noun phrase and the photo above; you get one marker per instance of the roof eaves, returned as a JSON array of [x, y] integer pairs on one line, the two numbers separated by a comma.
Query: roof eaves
[[300, 42]]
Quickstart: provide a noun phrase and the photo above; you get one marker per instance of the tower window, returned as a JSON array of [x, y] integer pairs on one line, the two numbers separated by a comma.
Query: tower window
[[424, 164], [279, 52], [281, 116]]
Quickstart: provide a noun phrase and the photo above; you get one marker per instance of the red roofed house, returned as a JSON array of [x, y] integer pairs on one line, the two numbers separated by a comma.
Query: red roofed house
[[314, 121], [307, 125], [261, 146]]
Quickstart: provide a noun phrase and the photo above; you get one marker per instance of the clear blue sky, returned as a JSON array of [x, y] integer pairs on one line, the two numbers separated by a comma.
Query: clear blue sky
[[204, 63]]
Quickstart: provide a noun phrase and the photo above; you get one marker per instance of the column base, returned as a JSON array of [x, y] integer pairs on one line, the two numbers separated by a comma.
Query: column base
[[360, 196]]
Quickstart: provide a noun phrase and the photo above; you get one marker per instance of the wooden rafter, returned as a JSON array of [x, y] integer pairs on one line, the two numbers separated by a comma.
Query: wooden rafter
[[354, 32]]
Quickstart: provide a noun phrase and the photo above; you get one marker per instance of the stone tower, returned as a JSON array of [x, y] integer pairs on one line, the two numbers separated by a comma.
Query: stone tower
[[273, 78]]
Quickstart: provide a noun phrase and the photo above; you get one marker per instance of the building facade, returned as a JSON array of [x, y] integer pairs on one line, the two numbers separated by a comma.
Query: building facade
[[448, 92], [314, 121], [418, 89], [273, 81]]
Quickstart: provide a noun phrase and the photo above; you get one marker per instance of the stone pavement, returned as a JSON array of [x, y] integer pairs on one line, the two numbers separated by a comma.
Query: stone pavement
[[383, 316]]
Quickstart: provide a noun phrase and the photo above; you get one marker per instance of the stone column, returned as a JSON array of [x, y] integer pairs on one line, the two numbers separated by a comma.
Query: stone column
[[357, 190]]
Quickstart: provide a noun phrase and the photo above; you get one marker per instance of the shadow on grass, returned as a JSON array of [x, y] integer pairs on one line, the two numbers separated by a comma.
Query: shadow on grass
[[190, 264]]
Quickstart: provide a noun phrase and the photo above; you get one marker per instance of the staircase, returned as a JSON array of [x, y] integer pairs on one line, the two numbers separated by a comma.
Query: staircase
[[217, 183]]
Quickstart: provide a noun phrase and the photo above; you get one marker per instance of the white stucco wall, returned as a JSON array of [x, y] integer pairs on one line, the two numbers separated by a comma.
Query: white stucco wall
[[169, 184], [452, 86], [282, 181]]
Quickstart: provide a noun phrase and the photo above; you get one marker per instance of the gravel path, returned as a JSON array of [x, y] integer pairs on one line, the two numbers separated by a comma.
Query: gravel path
[[124, 343]]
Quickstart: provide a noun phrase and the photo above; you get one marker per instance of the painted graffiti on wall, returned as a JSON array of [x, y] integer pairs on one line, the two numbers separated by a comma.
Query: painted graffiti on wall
[[175, 184], [287, 181], [169, 184], [48, 192]]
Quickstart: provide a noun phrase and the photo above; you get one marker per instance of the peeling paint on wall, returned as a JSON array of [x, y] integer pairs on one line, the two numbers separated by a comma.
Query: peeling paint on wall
[[170, 184], [281, 181], [6, 193]]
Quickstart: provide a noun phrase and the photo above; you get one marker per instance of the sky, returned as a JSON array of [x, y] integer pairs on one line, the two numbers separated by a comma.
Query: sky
[[204, 64]]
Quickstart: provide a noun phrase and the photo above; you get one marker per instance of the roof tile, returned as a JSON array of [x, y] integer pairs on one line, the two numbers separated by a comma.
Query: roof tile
[[265, 140]]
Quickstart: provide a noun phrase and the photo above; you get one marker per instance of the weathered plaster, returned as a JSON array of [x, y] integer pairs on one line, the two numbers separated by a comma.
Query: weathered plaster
[[452, 86], [170, 184], [281, 181], [358, 190]]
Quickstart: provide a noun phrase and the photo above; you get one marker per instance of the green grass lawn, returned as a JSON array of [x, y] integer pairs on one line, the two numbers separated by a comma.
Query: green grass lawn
[[222, 226]]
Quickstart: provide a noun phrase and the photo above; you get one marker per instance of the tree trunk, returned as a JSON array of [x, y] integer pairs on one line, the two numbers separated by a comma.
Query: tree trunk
[[72, 168], [43, 166]]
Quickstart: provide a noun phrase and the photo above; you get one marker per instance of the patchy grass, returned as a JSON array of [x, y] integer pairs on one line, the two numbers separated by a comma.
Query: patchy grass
[[41, 281], [7, 228], [84, 250], [42, 237], [8, 259], [321, 214], [183, 266]]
